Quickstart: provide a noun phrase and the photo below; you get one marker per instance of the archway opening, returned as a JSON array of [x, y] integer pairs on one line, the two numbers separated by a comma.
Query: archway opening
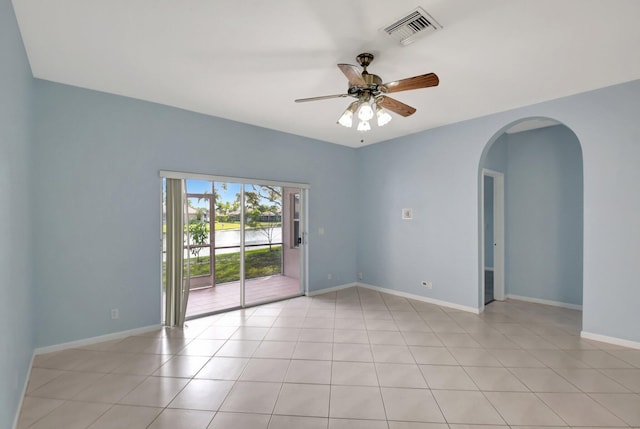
[[530, 184]]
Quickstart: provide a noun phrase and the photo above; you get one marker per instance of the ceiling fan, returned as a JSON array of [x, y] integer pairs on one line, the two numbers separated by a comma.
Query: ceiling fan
[[371, 94]]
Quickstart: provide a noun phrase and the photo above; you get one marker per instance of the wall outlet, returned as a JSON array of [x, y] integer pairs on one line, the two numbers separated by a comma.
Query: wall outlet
[[115, 313], [360, 276], [427, 284], [330, 276]]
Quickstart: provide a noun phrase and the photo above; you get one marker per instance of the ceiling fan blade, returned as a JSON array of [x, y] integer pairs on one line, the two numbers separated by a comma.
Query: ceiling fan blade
[[352, 73], [323, 97], [395, 106], [416, 82]]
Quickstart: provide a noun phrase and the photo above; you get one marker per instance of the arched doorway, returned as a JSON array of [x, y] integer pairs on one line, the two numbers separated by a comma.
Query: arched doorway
[[531, 229]]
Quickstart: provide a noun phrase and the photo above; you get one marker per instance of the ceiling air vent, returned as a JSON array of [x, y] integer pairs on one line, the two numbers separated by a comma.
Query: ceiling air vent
[[408, 28]]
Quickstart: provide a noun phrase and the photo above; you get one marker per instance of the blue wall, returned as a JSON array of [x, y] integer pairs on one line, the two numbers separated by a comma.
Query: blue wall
[[97, 159], [437, 173], [544, 221], [16, 259]]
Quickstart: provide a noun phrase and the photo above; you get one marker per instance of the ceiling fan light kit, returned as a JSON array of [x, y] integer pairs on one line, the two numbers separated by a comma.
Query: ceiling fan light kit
[[371, 96]]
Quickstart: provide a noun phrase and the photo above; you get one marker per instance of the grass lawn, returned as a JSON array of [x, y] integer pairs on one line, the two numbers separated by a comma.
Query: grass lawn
[[258, 263]]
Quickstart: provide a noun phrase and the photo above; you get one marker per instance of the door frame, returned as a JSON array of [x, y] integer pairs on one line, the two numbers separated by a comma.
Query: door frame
[[304, 224], [498, 235]]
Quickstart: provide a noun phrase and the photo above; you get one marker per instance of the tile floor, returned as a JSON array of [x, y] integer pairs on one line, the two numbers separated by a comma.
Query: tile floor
[[349, 359]]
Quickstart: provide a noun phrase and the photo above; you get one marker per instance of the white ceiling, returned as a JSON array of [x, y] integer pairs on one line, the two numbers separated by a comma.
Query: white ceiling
[[247, 60]]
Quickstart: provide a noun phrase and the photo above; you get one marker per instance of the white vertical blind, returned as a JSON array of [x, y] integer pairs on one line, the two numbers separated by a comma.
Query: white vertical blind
[[177, 293]]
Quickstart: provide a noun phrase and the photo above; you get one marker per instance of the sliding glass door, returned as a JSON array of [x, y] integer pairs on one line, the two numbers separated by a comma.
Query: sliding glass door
[[243, 244]]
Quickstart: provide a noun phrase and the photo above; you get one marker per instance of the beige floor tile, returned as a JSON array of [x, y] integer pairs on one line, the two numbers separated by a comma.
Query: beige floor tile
[[519, 408], [543, 380], [288, 322], [629, 378], [67, 385], [314, 351], [350, 323], [591, 380], [309, 371], [223, 368], [205, 395], [218, 333], [354, 374], [110, 388], [316, 335], [599, 359], [41, 376], [249, 333], [310, 400], [352, 336], [155, 392], [192, 419], [141, 364], [516, 359], [495, 379], [240, 421], [282, 334], [64, 359], [202, 347], [381, 325], [352, 352], [422, 339], [625, 406], [467, 407], [356, 402], [33, 409], [357, 424], [265, 370], [416, 405], [447, 377], [275, 349], [72, 415], [557, 359], [182, 366], [290, 422], [252, 397], [386, 337], [432, 355], [314, 357], [400, 375], [126, 416], [458, 340], [578, 409], [474, 357], [238, 348], [391, 354]]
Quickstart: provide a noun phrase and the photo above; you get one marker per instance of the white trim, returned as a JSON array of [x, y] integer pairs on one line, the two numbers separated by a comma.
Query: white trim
[[94, 340], [488, 268], [330, 289], [182, 175], [498, 235], [24, 393], [545, 302], [610, 340], [421, 298]]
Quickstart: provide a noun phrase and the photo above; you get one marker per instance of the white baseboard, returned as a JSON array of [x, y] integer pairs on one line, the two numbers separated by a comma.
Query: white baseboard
[[420, 298], [331, 289], [24, 393], [545, 302], [610, 340], [94, 340]]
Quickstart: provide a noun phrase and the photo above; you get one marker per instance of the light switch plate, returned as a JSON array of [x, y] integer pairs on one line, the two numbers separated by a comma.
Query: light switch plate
[[407, 214]]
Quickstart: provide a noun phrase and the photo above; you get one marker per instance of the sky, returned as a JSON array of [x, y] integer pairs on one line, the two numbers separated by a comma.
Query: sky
[[200, 186]]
